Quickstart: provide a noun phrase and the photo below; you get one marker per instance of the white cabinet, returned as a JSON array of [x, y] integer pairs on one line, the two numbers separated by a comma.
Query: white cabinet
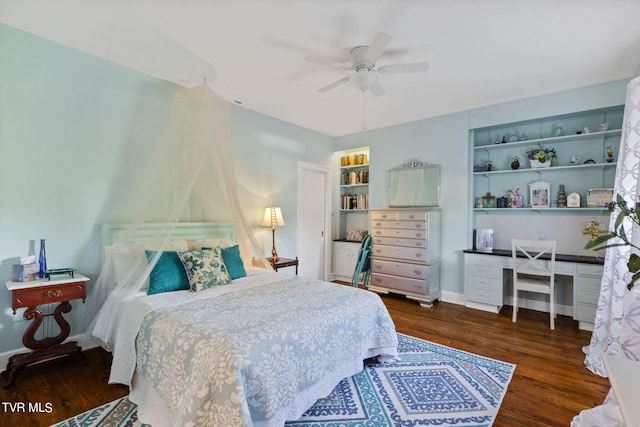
[[594, 170], [483, 281], [405, 256], [345, 258], [586, 291]]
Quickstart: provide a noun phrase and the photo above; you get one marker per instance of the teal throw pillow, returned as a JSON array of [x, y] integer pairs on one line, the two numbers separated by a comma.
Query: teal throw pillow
[[168, 274], [204, 269], [233, 262]]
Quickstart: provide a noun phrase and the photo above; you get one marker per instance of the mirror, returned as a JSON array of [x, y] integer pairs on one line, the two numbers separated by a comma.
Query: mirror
[[414, 184]]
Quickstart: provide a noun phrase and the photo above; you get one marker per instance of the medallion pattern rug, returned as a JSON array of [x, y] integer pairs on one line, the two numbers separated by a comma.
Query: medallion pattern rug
[[431, 385]]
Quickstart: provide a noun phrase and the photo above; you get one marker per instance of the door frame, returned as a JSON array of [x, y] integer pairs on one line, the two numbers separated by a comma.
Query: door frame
[[326, 171]]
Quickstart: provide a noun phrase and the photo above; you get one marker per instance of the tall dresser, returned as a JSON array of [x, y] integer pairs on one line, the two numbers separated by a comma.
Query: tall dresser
[[405, 258]]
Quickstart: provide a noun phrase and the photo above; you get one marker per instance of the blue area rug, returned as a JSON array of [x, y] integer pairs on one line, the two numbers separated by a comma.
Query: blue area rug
[[431, 385]]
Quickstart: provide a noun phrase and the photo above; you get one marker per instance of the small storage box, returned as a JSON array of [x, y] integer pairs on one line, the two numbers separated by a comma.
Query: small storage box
[[356, 235], [25, 272], [599, 197]]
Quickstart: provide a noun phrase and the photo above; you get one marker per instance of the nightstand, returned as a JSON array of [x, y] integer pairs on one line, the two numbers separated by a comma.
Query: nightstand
[[40, 292], [284, 262]]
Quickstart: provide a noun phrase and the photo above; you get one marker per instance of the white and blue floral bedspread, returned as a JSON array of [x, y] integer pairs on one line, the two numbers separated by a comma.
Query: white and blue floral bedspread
[[243, 356]]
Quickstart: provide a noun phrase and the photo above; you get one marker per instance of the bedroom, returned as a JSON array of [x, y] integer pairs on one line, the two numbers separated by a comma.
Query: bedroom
[[61, 177]]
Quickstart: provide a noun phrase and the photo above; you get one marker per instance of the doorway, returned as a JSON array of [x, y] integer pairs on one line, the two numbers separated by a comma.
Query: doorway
[[314, 213]]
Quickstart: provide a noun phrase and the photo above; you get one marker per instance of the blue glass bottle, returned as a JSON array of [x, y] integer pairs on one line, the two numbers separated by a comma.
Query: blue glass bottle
[[43, 261]]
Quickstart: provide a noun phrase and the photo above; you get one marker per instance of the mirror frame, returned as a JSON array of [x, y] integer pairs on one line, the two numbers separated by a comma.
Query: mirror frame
[[427, 197]]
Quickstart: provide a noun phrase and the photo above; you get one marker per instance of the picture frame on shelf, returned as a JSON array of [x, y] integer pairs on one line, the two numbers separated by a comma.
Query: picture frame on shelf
[[540, 194]]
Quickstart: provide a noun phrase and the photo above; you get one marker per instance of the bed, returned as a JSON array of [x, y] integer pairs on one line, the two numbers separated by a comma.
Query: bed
[[255, 352]]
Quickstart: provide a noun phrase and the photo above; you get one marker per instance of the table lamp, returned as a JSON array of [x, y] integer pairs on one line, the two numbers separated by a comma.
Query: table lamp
[[273, 218]]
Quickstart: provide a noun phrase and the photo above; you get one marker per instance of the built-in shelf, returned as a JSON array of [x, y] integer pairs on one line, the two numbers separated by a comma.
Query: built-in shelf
[[550, 140]]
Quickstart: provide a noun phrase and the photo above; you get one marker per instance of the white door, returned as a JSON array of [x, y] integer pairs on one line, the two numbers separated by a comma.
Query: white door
[[313, 220]]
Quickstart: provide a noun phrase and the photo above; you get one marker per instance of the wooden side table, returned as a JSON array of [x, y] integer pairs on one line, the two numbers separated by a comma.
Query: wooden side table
[[284, 262], [31, 295]]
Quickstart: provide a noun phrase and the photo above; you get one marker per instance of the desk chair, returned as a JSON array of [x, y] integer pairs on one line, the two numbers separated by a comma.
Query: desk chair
[[363, 264], [530, 273]]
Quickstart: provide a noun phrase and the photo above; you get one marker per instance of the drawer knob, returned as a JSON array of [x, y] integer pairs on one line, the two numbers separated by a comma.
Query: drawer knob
[[378, 232], [417, 272], [412, 216], [54, 293], [378, 251], [384, 215], [378, 224], [418, 234], [418, 254], [418, 225], [418, 243], [378, 280]]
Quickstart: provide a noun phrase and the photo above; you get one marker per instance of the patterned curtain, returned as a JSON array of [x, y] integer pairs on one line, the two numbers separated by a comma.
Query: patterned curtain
[[617, 323]]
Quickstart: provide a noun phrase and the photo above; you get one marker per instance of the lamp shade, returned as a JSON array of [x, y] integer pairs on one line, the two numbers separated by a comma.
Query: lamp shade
[[272, 217]]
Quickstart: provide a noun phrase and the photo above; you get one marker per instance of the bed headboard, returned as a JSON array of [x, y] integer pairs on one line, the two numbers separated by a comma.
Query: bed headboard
[[121, 232]]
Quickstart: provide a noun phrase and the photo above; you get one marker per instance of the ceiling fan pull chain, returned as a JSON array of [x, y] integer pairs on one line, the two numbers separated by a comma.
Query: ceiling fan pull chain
[[364, 110]]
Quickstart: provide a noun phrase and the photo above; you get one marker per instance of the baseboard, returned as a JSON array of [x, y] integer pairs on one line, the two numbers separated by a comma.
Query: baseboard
[[83, 341]]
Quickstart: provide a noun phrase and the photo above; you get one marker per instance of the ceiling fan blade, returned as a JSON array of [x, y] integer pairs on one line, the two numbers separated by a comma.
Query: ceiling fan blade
[[376, 89], [378, 45], [328, 63], [417, 67], [333, 85]]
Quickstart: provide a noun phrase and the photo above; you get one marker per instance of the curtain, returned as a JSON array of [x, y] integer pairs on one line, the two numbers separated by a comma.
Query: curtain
[[617, 323], [189, 177]]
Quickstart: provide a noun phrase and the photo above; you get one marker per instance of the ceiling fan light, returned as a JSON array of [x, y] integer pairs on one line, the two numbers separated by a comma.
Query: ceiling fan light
[[363, 79]]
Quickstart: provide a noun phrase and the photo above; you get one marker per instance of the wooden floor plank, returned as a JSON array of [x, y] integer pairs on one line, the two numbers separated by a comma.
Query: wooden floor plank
[[549, 387]]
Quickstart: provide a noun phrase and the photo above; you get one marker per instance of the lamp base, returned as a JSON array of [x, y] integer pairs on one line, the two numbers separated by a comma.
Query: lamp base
[[274, 256]]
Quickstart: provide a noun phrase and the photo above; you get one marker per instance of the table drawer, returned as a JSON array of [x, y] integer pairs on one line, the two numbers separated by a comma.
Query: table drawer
[[590, 270], [484, 295], [399, 252], [399, 233], [31, 297], [585, 312], [489, 260], [474, 281], [415, 271], [412, 243], [587, 289], [410, 225], [403, 284]]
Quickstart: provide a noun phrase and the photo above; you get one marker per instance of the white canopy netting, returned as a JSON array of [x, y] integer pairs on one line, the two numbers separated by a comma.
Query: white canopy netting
[[190, 178]]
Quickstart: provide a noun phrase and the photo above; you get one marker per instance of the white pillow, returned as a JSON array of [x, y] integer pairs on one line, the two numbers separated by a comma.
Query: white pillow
[[223, 242], [131, 257]]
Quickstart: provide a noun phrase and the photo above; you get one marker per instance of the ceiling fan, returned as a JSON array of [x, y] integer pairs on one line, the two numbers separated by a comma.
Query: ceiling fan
[[364, 75]]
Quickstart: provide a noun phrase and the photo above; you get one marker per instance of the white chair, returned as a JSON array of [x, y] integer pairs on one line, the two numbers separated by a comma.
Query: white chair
[[533, 274]]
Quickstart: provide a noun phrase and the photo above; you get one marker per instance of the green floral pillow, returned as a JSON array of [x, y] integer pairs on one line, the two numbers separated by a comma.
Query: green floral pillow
[[204, 269]]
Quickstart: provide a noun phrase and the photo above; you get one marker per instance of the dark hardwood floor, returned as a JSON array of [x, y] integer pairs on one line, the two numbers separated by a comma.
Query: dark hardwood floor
[[549, 387]]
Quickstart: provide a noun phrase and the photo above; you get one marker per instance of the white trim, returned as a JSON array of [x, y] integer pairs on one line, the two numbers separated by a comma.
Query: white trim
[[83, 341], [327, 211]]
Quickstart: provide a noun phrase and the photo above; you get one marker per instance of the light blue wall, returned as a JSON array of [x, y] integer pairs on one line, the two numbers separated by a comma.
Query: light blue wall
[[445, 141], [75, 131]]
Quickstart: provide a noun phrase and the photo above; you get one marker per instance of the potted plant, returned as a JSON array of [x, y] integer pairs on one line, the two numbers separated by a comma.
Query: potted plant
[[600, 236], [541, 157]]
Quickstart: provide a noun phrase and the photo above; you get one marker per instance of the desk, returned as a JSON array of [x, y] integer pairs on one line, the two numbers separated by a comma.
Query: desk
[[485, 281]]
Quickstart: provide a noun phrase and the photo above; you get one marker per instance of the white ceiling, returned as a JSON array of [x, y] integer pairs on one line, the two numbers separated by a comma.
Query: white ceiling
[[481, 52]]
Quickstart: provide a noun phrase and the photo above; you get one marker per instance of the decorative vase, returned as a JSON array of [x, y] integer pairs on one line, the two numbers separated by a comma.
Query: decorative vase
[[537, 164], [43, 261]]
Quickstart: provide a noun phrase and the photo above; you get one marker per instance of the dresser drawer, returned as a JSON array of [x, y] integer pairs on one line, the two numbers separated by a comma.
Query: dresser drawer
[[31, 297], [400, 215], [410, 225], [392, 241], [402, 284], [398, 233], [415, 271], [399, 252]]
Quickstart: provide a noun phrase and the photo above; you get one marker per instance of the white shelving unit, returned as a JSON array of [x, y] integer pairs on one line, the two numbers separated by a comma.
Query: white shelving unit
[[541, 133]]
